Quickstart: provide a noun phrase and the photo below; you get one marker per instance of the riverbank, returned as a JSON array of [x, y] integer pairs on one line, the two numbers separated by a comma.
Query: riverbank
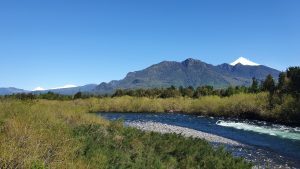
[[63, 134], [265, 145], [253, 106], [244, 106], [187, 132]]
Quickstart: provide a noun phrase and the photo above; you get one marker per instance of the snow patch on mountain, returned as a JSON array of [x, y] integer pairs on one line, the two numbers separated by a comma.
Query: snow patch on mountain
[[62, 87], [244, 61], [38, 89]]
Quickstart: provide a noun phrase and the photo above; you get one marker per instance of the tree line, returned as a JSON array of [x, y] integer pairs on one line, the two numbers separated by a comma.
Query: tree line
[[288, 83]]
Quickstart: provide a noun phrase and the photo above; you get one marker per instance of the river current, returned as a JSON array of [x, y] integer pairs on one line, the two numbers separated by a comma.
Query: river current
[[267, 144]]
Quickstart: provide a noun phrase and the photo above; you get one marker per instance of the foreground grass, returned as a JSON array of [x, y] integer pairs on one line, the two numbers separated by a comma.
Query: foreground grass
[[62, 134]]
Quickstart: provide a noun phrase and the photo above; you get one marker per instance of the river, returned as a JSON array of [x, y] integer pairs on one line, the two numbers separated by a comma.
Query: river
[[267, 144]]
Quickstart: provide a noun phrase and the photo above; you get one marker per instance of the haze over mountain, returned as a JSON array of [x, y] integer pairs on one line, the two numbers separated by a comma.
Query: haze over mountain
[[62, 87], [69, 90], [11, 90], [190, 72], [65, 90]]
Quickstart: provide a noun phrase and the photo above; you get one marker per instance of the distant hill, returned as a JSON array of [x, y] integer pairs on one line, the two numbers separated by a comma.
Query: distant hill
[[70, 91], [11, 90], [190, 72]]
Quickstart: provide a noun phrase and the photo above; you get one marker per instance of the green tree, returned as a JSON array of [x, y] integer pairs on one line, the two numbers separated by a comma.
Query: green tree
[[204, 91], [170, 92], [293, 74], [187, 92], [254, 87], [118, 93], [78, 95], [269, 84], [282, 82], [229, 91]]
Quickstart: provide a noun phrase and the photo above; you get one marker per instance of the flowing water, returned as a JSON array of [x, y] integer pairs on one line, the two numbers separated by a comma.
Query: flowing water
[[267, 144]]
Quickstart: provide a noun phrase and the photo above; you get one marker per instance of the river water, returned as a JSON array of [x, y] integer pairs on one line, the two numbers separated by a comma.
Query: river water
[[267, 144]]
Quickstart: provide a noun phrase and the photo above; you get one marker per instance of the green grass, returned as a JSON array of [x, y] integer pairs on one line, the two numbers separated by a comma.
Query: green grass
[[64, 134]]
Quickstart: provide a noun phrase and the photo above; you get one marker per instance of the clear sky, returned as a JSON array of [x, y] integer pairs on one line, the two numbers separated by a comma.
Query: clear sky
[[52, 43]]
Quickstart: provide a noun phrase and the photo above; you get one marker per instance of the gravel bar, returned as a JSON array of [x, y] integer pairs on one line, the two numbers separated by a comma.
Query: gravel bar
[[187, 132]]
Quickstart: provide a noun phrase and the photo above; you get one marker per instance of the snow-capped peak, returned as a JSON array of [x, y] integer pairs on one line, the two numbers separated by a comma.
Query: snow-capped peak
[[244, 61], [62, 87], [38, 89]]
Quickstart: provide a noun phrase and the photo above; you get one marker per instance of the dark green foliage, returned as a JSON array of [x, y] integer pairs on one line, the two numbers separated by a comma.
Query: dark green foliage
[[50, 96], [170, 92], [269, 84], [78, 95], [131, 148], [286, 95], [229, 91], [282, 82], [293, 74], [53, 96], [186, 92], [24, 96], [118, 93], [181, 91], [254, 87], [204, 91]]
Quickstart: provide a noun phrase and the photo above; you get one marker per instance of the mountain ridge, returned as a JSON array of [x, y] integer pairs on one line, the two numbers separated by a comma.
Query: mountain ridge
[[189, 72], [11, 90]]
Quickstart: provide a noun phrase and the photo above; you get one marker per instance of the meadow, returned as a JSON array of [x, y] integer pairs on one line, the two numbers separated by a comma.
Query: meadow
[[68, 134]]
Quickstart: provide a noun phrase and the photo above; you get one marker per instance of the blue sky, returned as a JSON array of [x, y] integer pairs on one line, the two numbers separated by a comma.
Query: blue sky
[[53, 43]]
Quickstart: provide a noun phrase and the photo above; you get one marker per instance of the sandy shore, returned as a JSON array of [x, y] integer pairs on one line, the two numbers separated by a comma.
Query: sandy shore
[[187, 132]]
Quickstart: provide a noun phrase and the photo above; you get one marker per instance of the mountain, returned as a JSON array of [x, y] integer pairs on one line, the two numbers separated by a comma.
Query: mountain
[[191, 72], [69, 90], [11, 90]]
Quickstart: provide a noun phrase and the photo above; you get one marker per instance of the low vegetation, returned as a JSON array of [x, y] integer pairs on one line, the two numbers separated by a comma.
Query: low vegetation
[[62, 134], [265, 100], [251, 106]]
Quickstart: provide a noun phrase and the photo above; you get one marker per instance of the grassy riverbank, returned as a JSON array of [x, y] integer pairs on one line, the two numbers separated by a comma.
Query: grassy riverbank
[[252, 106], [62, 134]]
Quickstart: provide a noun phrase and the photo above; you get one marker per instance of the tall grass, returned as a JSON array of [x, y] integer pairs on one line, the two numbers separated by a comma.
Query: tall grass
[[244, 105], [39, 133], [63, 134], [239, 105]]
